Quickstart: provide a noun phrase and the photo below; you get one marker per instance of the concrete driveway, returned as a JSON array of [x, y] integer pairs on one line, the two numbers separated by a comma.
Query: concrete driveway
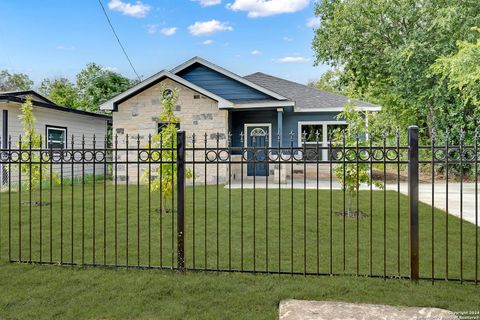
[[460, 204]]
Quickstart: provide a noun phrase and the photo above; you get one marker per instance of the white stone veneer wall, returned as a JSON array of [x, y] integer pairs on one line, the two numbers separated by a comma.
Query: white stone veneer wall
[[139, 117]]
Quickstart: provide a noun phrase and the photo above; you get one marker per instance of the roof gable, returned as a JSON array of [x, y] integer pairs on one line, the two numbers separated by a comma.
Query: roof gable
[[113, 103], [223, 82], [24, 94], [40, 101]]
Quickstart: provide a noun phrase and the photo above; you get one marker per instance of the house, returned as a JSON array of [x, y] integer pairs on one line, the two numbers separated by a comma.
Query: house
[[215, 100], [60, 126]]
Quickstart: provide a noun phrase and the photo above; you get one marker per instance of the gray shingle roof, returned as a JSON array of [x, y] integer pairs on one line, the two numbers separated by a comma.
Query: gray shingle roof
[[305, 97]]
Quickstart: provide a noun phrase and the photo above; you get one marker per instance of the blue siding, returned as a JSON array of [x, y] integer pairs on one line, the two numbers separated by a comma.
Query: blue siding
[[237, 120], [220, 84]]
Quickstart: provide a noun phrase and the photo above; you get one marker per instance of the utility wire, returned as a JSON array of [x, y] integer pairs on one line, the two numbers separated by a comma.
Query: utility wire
[[118, 40]]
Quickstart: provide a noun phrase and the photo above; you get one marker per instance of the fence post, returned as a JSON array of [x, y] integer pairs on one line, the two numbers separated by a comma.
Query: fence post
[[181, 200], [413, 200]]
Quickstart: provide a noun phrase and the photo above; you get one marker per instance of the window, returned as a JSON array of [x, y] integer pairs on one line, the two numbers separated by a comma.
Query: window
[[162, 125], [312, 130], [333, 128], [167, 94], [56, 137], [311, 136]]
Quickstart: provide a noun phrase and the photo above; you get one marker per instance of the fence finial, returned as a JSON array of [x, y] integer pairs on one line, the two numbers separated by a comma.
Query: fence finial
[[317, 136]]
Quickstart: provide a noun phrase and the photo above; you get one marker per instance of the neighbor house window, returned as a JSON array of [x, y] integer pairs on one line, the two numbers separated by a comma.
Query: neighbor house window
[[56, 137]]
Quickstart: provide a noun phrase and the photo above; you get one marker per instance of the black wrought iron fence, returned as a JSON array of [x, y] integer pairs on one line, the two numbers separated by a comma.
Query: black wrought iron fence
[[373, 207]]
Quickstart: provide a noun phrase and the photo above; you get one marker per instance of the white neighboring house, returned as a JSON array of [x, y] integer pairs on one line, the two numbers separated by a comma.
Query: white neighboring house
[[57, 124]]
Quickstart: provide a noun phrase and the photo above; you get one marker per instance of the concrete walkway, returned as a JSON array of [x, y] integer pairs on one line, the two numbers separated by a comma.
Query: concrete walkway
[[326, 310], [460, 205]]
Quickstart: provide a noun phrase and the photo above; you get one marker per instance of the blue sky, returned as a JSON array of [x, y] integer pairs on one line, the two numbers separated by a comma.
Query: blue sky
[[53, 38]]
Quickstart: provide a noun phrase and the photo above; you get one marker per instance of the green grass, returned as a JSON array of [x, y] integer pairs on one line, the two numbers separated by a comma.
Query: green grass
[[239, 235], [105, 293], [46, 292]]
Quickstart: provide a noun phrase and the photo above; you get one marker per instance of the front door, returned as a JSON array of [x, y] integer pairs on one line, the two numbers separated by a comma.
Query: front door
[[257, 142]]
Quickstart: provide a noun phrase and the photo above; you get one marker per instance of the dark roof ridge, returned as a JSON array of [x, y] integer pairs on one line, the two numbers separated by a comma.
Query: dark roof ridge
[[14, 98]]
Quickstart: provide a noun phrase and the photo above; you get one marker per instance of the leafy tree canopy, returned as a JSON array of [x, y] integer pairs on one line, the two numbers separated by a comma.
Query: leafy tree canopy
[[61, 91], [386, 50], [93, 86], [14, 81], [462, 69], [96, 85]]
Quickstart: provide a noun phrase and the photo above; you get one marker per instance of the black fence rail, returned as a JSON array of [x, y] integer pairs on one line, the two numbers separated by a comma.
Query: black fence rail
[[368, 206]]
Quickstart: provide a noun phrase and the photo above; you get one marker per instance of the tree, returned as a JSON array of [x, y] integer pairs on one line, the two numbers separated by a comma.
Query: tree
[[96, 85], [31, 139], [385, 50], [462, 69], [332, 81], [352, 175], [166, 139], [14, 81], [61, 91]]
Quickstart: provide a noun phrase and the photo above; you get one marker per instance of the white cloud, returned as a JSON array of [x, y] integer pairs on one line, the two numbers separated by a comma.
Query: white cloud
[[313, 22], [297, 59], [63, 47], [112, 69], [207, 42], [168, 31], [137, 10], [265, 8], [256, 52], [208, 3], [152, 28], [287, 39], [208, 27]]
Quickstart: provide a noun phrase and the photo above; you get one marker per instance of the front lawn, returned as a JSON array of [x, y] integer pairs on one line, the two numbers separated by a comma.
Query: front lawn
[[54, 292], [240, 233], [74, 292]]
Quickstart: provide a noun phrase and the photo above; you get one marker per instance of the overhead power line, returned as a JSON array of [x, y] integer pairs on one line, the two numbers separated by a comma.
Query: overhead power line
[[118, 40]]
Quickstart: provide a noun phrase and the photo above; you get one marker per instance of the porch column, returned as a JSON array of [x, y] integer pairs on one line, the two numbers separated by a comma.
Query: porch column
[[280, 171], [280, 124]]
